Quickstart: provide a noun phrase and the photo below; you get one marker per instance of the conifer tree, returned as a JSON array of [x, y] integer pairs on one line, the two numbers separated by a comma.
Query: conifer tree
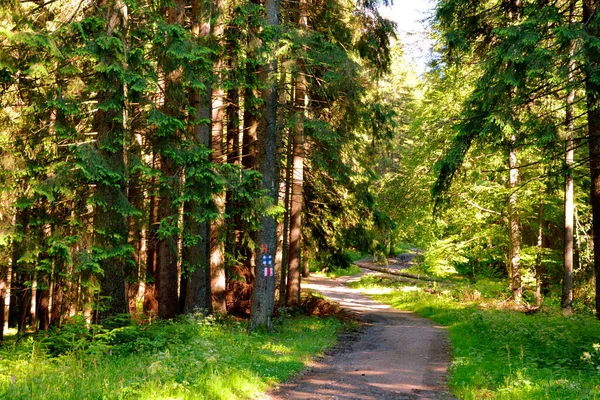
[[263, 296]]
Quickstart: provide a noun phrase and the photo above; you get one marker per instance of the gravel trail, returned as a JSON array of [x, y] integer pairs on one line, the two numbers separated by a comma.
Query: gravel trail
[[396, 355]]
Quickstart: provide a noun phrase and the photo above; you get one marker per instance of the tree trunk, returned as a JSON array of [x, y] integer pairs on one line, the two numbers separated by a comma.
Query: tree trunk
[[593, 114], [3, 313], [167, 248], [305, 263], [263, 296], [168, 279], [285, 230], [294, 269], [514, 247], [24, 301], [109, 223], [539, 265], [6, 294], [196, 256], [217, 247], [567, 284], [57, 297], [234, 221], [249, 148], [151, 280]]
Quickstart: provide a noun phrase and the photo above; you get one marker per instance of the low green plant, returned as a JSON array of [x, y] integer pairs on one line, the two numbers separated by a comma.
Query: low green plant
[[502, 353], [337, 264], [191, 358]]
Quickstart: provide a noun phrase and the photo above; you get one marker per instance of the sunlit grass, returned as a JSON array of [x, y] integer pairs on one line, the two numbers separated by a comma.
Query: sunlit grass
[[198, 360], [336, 273], [501, 353]]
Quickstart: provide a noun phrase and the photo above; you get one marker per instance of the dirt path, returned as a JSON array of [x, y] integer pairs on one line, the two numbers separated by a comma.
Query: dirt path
[[397, 355]]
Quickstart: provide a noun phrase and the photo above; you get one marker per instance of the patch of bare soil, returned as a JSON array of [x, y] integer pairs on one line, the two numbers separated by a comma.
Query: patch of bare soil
[[395, 355]]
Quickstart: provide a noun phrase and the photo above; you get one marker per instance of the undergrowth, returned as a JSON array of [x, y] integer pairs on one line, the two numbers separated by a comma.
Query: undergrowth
[[192, 358], [502, 353]]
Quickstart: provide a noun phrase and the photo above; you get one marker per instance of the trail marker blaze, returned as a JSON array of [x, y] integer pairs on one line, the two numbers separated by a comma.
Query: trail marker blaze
[[267, 261]]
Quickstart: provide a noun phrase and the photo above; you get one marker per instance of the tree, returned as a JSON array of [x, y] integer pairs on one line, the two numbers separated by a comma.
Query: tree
[[263, 297], [590, 20], [112, 205], [298, 152]]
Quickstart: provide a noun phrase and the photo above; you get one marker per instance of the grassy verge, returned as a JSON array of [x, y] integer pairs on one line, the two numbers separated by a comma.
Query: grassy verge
[[500, 353], [189, 359]]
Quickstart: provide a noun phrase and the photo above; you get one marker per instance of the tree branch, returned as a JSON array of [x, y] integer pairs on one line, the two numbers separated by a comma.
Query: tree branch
[[477, 206]]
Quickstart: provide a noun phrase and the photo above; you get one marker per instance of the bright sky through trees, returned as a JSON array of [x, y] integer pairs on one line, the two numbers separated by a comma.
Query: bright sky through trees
[[412, 19]]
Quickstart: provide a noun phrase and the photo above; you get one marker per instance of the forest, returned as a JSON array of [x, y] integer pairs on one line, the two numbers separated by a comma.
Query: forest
[[156, 154], [162, 158]]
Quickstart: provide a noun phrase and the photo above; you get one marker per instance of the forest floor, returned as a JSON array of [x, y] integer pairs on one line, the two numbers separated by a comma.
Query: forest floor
[[394, 355]]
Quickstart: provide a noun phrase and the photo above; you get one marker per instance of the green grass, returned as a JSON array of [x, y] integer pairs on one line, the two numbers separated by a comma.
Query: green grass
[[403, 247], [500, 353], [336, 273], [189, 359]]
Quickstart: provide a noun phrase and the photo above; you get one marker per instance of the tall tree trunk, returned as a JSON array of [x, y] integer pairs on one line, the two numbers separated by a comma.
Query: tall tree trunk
[[44, 306], [151, 280], [263, 296], [20, 276], [294, 269], [234, 221], [591, 68], [6, 283], [110, 224], [539, 265], [168, 279], [3, 313], [567, 285], [135, 238], [33, 304], [196, 257], [217, 247], [305, 263], [514, 222], [56, 310], [24, 302], [250, 146], [286, 225]]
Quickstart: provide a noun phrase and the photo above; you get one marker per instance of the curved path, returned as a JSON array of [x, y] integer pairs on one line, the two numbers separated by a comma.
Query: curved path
[[397, 355]]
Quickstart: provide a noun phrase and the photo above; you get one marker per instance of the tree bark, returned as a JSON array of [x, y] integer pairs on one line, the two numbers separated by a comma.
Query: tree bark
[[305, 263], [196, 256], [567, 284], [263, 296], [294, 269], [285, 229], [151, 280], [217, 226], [250, 155], [591, 68], [168, 301], [539, 265], [110, 224], [514, 247]]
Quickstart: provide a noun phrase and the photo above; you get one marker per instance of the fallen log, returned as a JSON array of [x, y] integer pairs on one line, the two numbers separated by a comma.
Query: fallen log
[[372, 267]]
